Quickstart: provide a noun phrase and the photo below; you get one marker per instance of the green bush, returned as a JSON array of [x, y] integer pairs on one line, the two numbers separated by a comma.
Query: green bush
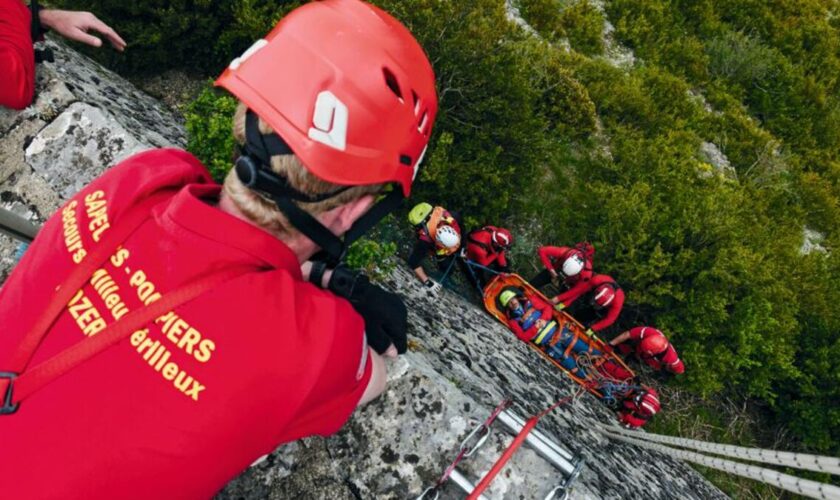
[[200, 37], [209, 123], [374, 257]]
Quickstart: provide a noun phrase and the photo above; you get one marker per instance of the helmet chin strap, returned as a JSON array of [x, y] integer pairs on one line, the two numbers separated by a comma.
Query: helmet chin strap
[[252, 168]]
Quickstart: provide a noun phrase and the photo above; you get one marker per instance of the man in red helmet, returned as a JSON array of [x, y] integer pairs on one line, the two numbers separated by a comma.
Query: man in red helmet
[[569, 268], [488, 248], [20, 26], [650, 346], [158, 335], [604, 299], [638, 407]]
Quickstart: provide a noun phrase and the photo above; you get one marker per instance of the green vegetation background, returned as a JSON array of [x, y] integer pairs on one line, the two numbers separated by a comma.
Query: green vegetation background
[[546, 133]]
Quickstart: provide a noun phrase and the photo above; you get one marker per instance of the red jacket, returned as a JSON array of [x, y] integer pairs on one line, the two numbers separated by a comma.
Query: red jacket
[[17, 58], [184, 405], [553, 257], [669, 361], [609, 314], [631, 414], [482, 250], [541, 307]]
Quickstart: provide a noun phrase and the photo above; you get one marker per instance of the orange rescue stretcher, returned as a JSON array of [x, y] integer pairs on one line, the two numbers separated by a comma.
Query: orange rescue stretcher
[[596, 378]]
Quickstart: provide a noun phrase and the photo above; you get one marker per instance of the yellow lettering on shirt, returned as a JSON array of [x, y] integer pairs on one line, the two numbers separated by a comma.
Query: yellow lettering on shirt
[[87, 317], [96, 208], [72, 237]]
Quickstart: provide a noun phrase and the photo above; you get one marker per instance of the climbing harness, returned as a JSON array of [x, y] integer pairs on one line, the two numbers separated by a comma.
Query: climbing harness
[[524, 431]]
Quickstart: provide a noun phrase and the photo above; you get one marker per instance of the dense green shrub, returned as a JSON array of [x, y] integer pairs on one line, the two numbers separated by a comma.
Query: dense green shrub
[[209, 130], [201, 37]]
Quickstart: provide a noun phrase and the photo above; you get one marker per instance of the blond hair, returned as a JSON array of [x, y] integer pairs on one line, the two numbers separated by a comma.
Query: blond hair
[[263, 211]]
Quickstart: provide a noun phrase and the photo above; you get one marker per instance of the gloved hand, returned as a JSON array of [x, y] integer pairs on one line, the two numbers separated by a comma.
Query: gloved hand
[[559, 306], [555, 280], [384, 312], [432, 285]]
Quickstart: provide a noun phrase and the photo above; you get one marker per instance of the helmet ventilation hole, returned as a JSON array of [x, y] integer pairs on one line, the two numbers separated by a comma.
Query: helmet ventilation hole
[[391, 82], [405, 160]]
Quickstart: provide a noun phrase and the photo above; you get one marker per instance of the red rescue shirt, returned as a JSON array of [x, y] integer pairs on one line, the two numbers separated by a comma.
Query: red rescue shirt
[[668, 361], [482, 251], [17, 58], [607, 315], [553, 258], [181, 407]]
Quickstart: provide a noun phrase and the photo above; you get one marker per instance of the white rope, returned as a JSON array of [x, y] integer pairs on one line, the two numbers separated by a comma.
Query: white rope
[[815, 463], [787, 482]]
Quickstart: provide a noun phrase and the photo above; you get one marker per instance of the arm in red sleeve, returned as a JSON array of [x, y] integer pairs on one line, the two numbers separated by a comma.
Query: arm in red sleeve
[[612, 313], [517, 330], [547, 253], [546, 310], [502, 260], [17, 58], [574, 293]]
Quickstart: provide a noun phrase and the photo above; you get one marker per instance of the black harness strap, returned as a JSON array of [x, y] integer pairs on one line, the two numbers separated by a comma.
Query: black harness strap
[[252, 168]]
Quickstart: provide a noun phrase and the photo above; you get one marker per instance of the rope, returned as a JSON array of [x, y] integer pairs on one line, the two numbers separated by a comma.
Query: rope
[[472, 264], [787, 482], [816, 463], [611, 388]]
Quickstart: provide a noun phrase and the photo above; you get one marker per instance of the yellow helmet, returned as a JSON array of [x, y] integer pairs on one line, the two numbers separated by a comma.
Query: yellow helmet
[[419, 213], [505, 296]]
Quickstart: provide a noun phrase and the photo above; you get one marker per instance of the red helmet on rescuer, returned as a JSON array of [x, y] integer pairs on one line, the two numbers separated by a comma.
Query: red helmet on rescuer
[[604, 295], [347, 87], [652, 345], [502, 238], [647, 402]]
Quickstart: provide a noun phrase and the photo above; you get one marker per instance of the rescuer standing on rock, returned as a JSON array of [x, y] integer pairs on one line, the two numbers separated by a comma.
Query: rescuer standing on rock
[[439, 235], [158, 336]]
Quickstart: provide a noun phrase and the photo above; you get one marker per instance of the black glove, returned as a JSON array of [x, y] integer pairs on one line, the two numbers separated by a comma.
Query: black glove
[[385, 314]]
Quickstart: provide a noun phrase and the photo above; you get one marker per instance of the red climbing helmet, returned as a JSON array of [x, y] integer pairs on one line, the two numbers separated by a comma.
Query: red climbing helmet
[[654, 344], [347, 87], [502, 237], [604, 295], [647, 402]]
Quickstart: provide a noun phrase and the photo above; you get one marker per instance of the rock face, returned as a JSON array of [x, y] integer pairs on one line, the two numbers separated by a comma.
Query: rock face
[[461, 364], [84, 119]]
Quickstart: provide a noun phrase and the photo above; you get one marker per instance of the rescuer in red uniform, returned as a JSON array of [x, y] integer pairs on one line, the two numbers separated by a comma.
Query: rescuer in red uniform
[[488, 248], [650, 346], [158, 335], [20, 26], [638, 407], [569, 268], [604, 299]]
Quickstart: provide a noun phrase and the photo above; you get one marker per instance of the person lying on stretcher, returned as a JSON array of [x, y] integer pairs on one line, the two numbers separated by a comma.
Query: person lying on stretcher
[[531, 319]]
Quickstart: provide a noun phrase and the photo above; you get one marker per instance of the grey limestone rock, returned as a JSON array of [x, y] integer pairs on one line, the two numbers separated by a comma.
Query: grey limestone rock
[[461, 365]]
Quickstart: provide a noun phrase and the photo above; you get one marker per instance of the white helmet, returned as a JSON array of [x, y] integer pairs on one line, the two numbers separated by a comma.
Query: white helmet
[[573, 265], [447, 237]]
